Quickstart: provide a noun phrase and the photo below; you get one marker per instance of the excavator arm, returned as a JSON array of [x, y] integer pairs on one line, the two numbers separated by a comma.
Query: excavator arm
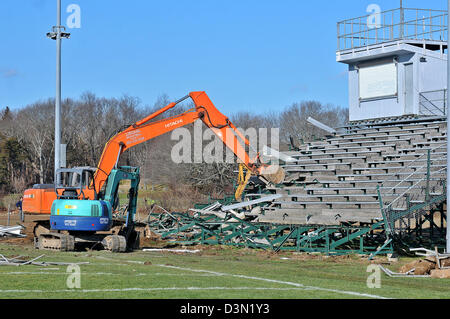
[[204, 110]]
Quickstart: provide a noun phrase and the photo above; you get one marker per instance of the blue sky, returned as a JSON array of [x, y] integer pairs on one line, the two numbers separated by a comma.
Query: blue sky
[[248, 55]]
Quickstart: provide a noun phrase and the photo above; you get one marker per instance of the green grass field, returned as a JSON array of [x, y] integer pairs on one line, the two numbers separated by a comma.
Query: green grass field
[[218, 272]]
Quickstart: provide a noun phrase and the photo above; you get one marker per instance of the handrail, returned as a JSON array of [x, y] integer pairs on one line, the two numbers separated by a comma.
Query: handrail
[[414, 162], [405, 192], [425, 107], [393, 10], [443, 101], [424, 170], [394, 24]]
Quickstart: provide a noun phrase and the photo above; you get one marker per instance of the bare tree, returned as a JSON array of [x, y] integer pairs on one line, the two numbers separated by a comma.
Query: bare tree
[[34, 128], [295, 124]]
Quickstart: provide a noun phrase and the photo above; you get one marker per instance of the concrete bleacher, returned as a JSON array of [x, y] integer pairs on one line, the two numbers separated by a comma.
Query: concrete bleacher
[[337, 179]]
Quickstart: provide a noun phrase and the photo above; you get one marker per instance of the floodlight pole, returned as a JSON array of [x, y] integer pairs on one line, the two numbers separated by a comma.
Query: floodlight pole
[[58, 34], [58, 92], [448, 126]]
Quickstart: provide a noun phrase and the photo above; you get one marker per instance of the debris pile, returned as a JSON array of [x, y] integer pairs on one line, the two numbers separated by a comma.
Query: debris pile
[[434, 265], [11, 231], [235, 224]]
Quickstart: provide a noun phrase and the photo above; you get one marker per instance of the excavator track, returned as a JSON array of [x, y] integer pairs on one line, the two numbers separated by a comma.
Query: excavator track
[[54, 241], [115, 243], [41, 227], [46, 239]]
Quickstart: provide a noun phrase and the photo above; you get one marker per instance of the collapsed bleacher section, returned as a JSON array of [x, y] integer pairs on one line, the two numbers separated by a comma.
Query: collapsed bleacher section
[[370, 188]]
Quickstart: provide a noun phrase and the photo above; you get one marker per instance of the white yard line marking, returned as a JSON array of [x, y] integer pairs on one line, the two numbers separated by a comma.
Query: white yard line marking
[[145, 289], [110, 265], [176, 275], [189, 251], [104, 273], [117, 261], [55, 273], [345, 292], [47, 269]]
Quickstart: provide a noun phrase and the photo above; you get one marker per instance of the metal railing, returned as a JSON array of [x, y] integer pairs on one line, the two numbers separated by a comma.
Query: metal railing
[[417, 189], [391, 25], [433, 103]]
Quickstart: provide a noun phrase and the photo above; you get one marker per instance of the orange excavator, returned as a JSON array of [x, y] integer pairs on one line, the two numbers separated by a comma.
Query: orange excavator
[[98, 186]]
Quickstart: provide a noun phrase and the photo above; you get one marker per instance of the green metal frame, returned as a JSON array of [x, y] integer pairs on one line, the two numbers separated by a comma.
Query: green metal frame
[[422, 212], [189, 229]]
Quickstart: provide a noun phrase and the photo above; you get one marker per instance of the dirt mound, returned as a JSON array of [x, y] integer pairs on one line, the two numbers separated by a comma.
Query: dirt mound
[[440, 273], [427, 266], [421, 267]]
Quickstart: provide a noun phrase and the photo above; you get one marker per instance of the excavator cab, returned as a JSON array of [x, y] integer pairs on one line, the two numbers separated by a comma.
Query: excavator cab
[[76, 183]]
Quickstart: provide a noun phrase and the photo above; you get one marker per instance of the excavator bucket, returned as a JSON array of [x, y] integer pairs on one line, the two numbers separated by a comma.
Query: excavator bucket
[[242, 182], [273, 173]]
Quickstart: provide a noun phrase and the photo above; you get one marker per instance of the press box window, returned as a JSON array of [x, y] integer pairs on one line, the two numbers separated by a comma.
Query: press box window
[[378, 81]]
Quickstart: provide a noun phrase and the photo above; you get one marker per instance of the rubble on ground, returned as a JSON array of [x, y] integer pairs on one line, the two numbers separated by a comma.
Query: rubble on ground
[[233, 224], [434, 265], [11, 231]]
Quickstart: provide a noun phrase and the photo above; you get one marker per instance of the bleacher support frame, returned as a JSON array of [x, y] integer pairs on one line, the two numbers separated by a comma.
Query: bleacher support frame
[[398, 221], [185, 229]]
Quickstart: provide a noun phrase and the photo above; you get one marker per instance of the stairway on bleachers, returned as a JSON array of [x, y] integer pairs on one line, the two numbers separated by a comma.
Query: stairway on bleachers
[[339, 175]]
